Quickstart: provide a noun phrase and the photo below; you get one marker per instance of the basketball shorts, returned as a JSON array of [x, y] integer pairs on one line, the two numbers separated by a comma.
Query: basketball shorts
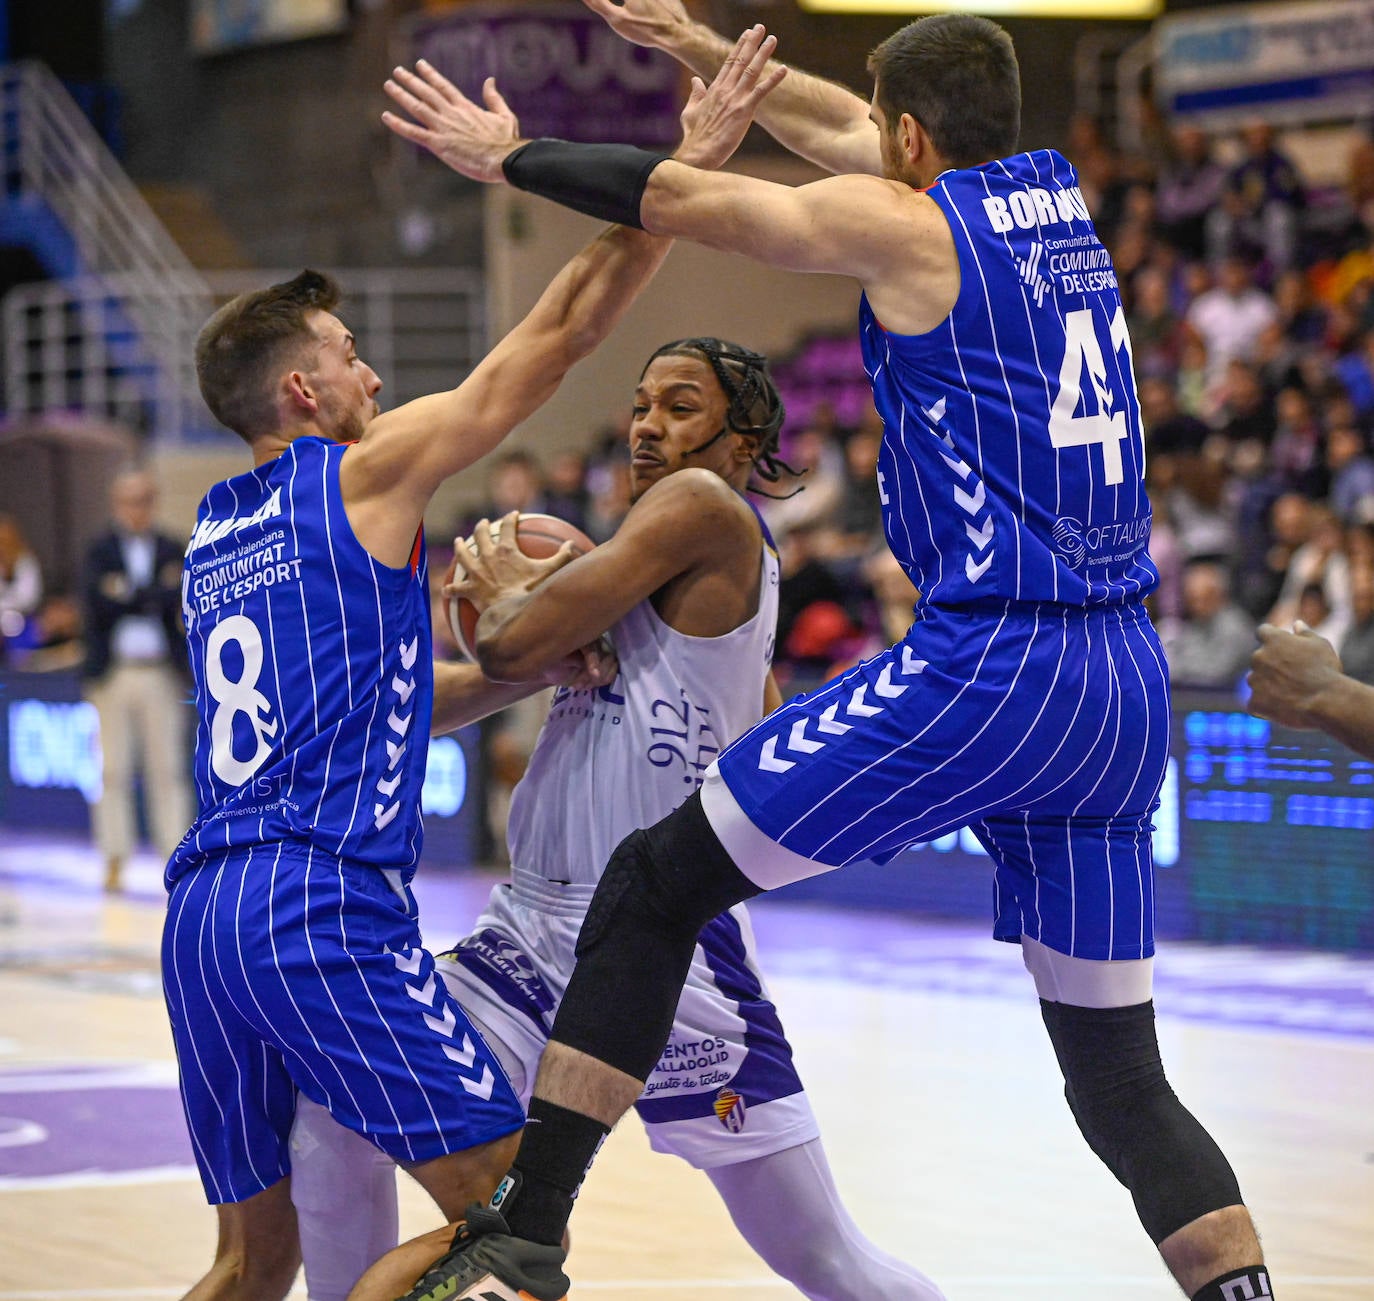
[[286, 969], [1044, 729], [725, 1089]]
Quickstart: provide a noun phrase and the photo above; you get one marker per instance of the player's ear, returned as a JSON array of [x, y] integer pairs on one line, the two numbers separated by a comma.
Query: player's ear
[[300, 393], [912, 135]]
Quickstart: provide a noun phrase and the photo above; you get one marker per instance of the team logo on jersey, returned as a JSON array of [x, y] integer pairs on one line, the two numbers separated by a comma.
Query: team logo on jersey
[[730, 1109], [1028, 268], [1068, 541], [212, 530]]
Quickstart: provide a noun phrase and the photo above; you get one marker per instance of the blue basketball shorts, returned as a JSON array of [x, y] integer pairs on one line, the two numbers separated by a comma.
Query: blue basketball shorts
[[1044, 729], [287, 969]]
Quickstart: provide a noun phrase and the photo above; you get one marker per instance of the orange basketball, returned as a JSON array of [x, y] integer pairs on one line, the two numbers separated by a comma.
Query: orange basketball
[[539, 537]]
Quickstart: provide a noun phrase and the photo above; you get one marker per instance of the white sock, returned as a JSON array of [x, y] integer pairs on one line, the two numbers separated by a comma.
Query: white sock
[[344, 1191], [788, 1209]]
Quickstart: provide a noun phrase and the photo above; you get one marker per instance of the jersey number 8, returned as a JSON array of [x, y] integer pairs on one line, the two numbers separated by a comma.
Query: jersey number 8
[[234, 696]]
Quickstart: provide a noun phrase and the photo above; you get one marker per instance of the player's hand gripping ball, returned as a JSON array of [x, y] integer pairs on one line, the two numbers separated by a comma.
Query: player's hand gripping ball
[[538, 537]]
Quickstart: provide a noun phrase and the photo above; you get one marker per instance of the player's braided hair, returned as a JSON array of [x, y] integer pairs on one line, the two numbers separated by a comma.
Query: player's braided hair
[[753, 406]]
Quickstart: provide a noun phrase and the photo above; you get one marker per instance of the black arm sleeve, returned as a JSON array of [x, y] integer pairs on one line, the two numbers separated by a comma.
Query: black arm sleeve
[[605, 181]]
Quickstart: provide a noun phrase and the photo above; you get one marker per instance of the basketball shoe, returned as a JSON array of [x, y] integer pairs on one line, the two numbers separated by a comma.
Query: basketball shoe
[[486, 1263]]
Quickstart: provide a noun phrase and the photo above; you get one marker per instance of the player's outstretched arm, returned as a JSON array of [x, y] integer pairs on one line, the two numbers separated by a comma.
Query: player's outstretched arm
[[1295, 679], [814, 118], [463, 694], [692, 519]]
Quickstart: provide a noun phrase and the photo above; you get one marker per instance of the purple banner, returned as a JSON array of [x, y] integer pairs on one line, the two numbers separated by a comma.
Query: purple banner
[[561, 69]]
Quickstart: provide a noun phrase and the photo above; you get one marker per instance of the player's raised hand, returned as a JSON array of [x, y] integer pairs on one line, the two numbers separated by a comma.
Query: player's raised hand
[[644, 22], [470, 139], [717, 116], [1288, 672], [489, 565]]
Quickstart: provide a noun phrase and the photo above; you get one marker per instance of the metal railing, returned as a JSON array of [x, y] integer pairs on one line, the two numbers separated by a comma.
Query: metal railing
[[116, 341], [128, 317], [76, 344]]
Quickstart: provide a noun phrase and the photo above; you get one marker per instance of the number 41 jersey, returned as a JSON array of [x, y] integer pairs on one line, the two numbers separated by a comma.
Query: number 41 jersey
[[1012, 466], [312, 662]]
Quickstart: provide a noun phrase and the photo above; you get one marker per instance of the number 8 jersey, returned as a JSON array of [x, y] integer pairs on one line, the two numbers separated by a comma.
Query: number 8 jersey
[[312, 665], [1012, 467]]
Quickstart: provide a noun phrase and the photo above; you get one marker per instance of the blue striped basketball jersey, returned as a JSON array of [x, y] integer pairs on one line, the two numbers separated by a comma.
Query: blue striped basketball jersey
[[312, 671], [1013, 466]]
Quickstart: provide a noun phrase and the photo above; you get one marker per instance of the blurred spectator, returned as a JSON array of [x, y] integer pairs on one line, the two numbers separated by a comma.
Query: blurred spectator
[[1352, 475], [807, 581], [816, 453], [1168, 429], [1210, 646], [1261, 205], [895, 596], [1190, 186], [1165, 549], [858, 515], [1156, 331], [1315, 611], [1357, 646], [566, 494], [1246, 413], [1300, 319], [136, 675], [1197, 505], [608, 488], [1356, 373], [1319, 560], [515, 481], [1252, 492], [21, 589], [1100, 174], [1229, 319], [1296, 452]]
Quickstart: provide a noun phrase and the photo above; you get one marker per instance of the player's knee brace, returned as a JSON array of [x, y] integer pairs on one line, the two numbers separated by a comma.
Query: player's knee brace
[[635, 948], [1114, 1082]]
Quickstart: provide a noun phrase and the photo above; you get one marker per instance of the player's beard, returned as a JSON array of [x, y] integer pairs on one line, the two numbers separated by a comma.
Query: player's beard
[[348, 423], [896, 165]]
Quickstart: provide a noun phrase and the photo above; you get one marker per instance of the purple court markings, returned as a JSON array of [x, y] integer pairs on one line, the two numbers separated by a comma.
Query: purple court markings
[[91, 1124]]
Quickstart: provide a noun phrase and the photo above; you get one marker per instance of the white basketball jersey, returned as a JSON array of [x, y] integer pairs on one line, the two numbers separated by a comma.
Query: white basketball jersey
[[612, 760]]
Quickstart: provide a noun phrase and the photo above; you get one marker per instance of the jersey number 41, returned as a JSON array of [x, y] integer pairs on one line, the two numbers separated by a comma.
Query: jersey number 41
[[1107, 426]]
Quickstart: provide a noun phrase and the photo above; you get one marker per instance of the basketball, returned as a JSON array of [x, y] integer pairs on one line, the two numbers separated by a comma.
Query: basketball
[[539, 537]]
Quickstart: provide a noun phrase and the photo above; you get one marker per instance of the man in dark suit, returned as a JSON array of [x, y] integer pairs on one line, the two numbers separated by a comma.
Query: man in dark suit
[[136, 674]]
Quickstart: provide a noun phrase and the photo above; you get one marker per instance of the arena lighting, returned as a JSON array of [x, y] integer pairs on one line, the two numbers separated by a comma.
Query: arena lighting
[[993, 8]]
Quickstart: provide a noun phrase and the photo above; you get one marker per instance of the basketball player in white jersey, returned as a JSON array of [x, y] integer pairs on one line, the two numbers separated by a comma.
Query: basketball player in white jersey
[[688, 588], [1028, 702]]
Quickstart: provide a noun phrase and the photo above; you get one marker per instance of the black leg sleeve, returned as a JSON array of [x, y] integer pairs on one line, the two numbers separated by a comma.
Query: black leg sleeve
[[635, 950]]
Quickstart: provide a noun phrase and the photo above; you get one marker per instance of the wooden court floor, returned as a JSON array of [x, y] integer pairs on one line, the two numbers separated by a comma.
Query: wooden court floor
[[921, 1046]]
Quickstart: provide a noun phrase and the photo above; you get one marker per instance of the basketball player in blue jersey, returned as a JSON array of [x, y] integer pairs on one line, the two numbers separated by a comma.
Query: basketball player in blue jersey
[[292, 959], [688, 588], [1029, 701]]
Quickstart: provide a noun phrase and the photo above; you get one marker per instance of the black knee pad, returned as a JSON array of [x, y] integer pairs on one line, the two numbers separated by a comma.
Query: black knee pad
[[1115, 1085], [635, 947]]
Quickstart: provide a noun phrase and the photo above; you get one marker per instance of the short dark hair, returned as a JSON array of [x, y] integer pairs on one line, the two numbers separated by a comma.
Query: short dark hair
[[242, 348], [957, 76], [753, 405]]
